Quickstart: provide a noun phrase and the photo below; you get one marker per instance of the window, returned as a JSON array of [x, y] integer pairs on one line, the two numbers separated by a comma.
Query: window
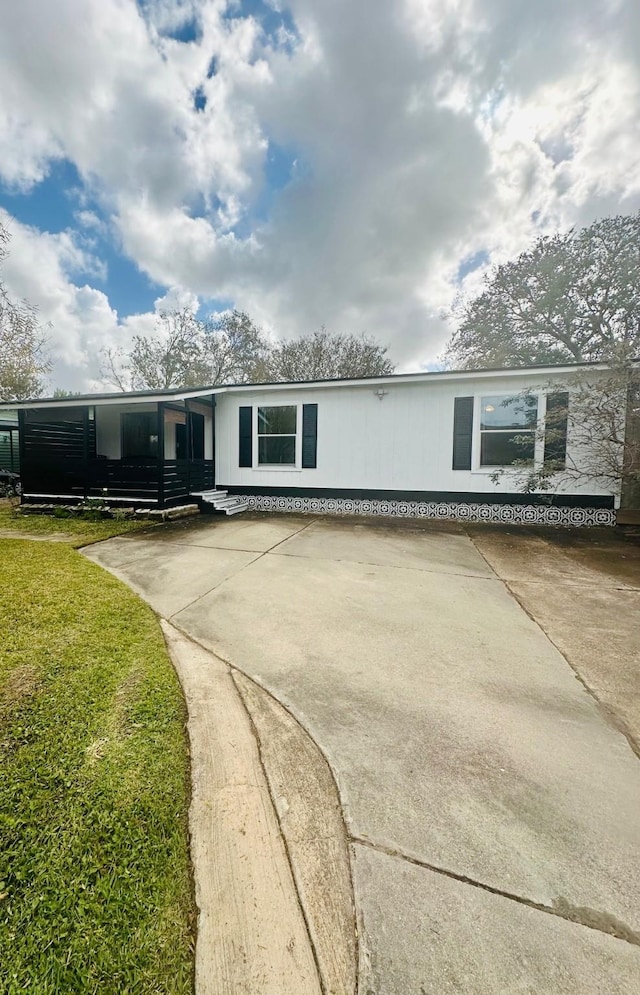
[[140, 435], [277, 428], [507, 429]]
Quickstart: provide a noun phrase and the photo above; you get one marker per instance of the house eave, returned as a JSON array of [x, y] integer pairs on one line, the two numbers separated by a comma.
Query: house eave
[[122, 397], [182, 394], [422, 377]]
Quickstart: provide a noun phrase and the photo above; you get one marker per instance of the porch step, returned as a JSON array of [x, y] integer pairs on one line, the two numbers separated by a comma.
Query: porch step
[[237, 508], [222, 501], [208, 494]]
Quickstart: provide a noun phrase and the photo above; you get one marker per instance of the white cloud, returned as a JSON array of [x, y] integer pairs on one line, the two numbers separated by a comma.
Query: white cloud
[[424, 132], [82, 322]]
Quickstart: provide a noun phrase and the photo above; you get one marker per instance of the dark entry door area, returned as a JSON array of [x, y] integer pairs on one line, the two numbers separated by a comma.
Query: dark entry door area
[[197, 435], [197, 438]]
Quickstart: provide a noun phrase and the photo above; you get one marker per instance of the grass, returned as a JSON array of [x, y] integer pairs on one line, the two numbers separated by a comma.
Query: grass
[[80, 531], [95, 887]]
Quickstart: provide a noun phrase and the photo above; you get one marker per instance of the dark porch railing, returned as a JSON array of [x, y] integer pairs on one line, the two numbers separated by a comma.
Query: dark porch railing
[[183, 477], [140, 481], [137, 480]]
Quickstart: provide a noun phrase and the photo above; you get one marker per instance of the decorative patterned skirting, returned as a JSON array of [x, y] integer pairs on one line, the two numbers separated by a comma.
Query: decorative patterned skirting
[[511, 514]]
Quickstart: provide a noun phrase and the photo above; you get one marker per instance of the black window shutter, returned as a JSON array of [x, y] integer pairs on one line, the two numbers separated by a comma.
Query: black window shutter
[[245, 456], [462, 432], [309, 436], [555, 442]]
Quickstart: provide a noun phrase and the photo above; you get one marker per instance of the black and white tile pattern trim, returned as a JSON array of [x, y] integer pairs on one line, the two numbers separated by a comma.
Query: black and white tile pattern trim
[[512, 514]]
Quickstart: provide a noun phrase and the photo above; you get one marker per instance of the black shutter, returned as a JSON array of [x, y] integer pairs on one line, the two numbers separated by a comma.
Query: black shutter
[[555, 441], [462, 432], [246, 437], [309, 436]]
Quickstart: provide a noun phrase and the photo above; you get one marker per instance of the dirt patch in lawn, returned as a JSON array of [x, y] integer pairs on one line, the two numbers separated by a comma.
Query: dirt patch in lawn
[[19, 684]]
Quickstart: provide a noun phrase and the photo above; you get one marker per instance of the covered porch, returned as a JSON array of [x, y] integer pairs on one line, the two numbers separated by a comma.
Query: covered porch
[[140, 450]]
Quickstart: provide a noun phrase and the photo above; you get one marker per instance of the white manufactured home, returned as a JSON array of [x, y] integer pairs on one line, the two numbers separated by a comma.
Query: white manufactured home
[[422, 445]]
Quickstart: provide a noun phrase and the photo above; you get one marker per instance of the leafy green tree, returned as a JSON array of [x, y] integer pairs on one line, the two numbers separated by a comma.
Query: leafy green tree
[[24, 361], [571, 298], [322, 356]]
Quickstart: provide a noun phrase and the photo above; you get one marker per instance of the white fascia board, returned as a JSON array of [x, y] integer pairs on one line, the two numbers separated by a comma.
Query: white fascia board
[[396, 380], [88, 400], [393, 380]]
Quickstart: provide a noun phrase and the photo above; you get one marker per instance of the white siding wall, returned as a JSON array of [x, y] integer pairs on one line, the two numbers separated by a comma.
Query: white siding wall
[[401, 443]]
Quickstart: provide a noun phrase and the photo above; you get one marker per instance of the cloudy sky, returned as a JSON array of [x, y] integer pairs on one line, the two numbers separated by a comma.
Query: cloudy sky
[[352, 163]]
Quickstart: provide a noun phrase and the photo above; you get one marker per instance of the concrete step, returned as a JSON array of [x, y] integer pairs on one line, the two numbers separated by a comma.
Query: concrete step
[[224, 502], [208, 495], [236, 509]]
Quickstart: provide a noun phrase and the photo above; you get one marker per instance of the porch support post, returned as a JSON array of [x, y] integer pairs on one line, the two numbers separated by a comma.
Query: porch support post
[[213, 439], [85, 450], [160, 454], [189, 444], [21, 445]]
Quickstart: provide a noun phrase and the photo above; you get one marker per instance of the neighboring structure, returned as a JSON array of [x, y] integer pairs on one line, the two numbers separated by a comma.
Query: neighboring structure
[[9, 445], [415, 445]]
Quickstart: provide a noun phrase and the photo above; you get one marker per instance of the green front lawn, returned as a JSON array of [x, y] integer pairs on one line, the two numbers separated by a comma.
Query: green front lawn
[[95, 887], [80, 531]]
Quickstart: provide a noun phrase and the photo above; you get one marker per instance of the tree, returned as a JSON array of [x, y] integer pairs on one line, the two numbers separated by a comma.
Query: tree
[[591, 435], [168, 359], [187, 352], [572, 298], [234, 349], [24, 361], [322, 356]]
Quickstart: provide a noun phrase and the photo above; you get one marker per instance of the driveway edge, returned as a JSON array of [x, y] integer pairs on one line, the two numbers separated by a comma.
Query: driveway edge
[[251, 934], [305, 796]]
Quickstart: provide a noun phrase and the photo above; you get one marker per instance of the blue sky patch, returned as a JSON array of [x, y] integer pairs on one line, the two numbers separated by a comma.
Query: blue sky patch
[[271, 20], [280, 164], [199, 99], [471, 263], [129, 290], [51, 204], [189, 31], [213, 304]]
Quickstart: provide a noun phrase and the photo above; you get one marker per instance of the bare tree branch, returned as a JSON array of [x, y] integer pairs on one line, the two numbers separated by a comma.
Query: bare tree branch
[[187, 352], [24, 359]]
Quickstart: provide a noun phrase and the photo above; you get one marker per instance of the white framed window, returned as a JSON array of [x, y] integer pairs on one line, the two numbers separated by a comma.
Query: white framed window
[[506, 429], [277, 435]]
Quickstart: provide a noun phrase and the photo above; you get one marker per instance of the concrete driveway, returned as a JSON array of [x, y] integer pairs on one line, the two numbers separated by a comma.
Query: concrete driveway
[[492, 804]]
